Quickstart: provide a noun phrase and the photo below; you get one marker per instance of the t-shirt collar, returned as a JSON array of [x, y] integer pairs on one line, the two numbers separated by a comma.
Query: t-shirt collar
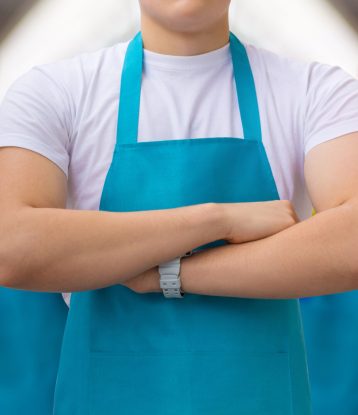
[[175, 62]]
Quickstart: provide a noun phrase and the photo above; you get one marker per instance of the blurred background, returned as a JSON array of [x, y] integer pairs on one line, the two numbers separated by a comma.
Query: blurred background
[[40, 31], [34, 32]]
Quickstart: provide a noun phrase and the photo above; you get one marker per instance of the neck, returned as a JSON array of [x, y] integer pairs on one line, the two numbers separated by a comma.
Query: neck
[[159, 39]]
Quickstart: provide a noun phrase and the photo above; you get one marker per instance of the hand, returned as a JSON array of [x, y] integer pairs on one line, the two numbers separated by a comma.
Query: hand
[[256, 220], [146, 282]]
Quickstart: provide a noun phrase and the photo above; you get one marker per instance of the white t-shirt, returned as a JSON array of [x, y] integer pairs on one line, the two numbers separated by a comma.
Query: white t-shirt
[[67, 111]]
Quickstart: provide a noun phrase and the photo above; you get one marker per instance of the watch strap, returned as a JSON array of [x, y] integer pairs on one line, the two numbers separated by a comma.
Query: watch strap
[[170, 278]]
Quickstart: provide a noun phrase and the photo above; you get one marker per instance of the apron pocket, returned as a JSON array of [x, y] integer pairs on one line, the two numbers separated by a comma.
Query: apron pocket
[[189, 383]]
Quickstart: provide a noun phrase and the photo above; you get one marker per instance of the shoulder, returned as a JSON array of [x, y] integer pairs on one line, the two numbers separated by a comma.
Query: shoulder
[[49, 100], [274, 65], [72, 74], [60, 88], [324, 96], [306, 75]]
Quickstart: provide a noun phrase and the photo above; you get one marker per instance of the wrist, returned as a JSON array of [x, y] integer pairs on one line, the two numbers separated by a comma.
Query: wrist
[[186, 272], [183, 278], [215, 220]]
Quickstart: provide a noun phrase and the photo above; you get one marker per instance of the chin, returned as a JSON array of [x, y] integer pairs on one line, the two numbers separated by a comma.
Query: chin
[[185, 15]]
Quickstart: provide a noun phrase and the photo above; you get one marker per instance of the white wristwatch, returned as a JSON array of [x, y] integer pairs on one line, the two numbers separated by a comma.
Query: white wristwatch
[[170, 277]]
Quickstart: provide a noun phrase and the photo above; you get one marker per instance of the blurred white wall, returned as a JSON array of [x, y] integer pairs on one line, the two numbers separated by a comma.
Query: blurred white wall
[[307, 29], [54, 29]]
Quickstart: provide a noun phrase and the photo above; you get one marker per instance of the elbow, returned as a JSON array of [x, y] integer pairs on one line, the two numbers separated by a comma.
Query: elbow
[[7, 266], [354, 268], [350, 241], [14, 250], [9, 269], [7, 279], [7, 276], [354, 273]]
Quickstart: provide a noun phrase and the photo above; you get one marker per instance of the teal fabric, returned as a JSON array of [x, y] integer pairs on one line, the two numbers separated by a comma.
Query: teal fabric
[[132, 354], [331, 331], [31, 330]]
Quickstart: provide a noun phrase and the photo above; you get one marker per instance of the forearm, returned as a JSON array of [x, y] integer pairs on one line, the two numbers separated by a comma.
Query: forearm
[[314, 257], [45, 249]]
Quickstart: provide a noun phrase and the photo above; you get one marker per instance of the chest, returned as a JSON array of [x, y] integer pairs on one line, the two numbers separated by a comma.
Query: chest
[[174, 106]]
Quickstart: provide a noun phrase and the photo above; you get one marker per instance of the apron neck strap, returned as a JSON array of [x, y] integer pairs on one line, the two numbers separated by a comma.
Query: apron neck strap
[[129, 99], [246, 90]]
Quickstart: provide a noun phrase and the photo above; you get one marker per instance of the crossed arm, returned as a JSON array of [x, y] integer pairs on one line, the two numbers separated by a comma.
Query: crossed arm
[[46, 248], [314, 257]]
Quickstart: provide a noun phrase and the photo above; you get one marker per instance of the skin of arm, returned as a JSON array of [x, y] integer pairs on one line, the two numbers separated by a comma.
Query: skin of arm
[[317, 256], [45, 247]]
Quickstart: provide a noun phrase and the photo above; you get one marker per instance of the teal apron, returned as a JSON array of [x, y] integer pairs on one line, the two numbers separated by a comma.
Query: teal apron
[[331, 331], [133, 354], [31, 330]]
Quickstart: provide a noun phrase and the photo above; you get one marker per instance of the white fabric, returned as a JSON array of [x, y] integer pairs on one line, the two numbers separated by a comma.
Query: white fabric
[[67, 111]]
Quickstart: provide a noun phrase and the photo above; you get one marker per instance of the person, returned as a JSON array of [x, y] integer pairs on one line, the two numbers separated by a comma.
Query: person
[[168, 187]]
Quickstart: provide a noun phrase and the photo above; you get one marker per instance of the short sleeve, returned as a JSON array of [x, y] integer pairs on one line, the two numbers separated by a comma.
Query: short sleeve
[[34, 115], [331, 104]]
